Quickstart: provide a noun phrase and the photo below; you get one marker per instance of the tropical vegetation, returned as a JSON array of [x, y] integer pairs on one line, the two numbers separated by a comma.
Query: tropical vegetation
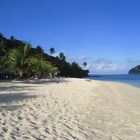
[[19, 59]]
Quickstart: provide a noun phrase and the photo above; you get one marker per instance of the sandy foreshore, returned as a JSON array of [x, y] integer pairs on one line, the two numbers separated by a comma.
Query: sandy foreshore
[[69, 109]]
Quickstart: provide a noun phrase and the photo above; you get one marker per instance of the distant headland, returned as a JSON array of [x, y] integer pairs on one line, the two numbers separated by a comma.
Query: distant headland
[[135, 70]]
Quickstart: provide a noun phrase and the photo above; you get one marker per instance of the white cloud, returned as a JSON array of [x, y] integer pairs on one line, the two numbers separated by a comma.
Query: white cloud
[[103, 65], [106, 66]]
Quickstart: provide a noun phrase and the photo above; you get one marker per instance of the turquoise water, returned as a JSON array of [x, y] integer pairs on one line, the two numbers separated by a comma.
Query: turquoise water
[[125, 78]]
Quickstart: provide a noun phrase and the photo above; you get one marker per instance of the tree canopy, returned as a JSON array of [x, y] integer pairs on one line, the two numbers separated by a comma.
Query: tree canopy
[[20, 58], [52, 50]]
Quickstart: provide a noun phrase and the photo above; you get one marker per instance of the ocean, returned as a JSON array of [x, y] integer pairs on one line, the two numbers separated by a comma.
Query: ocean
[[125, 78]]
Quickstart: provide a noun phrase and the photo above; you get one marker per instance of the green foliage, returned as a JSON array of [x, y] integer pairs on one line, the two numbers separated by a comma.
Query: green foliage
[[24, 63], [23, 60], [40, 67], [18, 58]]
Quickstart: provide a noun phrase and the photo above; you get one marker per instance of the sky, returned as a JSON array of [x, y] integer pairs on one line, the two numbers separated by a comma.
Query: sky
[[104, 33]]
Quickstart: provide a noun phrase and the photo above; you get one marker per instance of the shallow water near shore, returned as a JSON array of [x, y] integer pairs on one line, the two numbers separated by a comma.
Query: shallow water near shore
[[124, 78]]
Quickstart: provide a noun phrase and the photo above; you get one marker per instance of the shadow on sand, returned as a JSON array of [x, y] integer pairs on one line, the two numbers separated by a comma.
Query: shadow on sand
[[44, 81], [10, 107], [13, 98], [15, 88], [10, 98]]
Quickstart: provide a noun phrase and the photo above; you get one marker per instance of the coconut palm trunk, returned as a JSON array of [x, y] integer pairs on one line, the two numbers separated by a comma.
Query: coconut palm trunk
[[22, 72]]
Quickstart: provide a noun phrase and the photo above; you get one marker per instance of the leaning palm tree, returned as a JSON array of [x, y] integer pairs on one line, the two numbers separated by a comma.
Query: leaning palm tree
[[52, 50], [23, 62], [19, 59]]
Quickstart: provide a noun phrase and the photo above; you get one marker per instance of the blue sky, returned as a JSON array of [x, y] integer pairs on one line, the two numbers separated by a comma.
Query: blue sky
[[105, 33]]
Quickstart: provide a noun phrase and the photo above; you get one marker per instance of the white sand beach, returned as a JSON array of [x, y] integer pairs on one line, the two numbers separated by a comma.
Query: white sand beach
[[69, 109]]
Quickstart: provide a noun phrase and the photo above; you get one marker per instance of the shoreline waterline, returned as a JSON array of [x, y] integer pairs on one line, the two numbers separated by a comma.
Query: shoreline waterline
[[123, 78]]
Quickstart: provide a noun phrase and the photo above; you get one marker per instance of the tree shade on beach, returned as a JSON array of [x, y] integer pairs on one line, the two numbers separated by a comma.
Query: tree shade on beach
[[20, 59]]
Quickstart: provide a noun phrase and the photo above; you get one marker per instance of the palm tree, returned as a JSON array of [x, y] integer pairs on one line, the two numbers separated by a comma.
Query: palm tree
[[85, 64], [62, 56], [52, 50], [19, 59], [24, 62]]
